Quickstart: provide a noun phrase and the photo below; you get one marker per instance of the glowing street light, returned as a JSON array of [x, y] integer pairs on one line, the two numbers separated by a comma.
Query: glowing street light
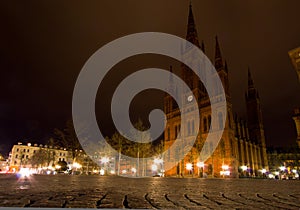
[[189, 166], [244, 168], [225, 167], [200, 164], [77, 165], [105, 160], [282, 168], [102, 172], [154, 167], [225, 170], [158, 161]]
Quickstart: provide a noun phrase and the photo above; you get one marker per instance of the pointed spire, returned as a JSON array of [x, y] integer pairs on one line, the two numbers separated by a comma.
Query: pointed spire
[[250, 80], [191, 35], [218, 56], [251, 93]]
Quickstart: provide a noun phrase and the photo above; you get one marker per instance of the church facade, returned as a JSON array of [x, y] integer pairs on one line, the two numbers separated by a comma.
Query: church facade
[[241, 150]]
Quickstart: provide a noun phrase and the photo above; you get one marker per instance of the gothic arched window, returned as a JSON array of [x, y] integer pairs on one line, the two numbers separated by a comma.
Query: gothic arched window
[[205, 124], [221, 124]]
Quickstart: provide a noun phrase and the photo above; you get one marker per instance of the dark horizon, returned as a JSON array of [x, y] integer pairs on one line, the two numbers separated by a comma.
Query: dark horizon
[[45, 45]]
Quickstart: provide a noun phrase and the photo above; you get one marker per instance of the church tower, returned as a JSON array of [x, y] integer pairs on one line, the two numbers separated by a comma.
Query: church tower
[[226, 152], [296, 118], [255, 120]]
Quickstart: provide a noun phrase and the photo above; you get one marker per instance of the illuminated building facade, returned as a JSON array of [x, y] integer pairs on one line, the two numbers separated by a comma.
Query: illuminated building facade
[[295, 57], [22, 156], [242, 143]]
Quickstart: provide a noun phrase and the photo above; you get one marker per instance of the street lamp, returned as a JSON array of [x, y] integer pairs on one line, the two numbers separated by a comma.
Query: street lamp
[[225, 170], [102, 172], [159, 161], [282, 169], [189, 167], [133, 170], [154, 167], [200, 166], [244, 168], [105, 160], [263, 171]]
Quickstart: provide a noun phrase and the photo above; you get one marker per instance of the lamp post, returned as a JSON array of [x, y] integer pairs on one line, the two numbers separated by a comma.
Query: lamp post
[[154, 169], [263, 171], [133, 170], [200, 166], [225, 170], [76, 166], [105, 160], [244, 168], [159, 161], [282, 169], [189, 167]]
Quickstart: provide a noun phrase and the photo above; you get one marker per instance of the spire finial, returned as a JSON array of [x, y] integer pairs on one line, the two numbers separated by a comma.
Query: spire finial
[[191, 34], [218, 56], [250, 80]]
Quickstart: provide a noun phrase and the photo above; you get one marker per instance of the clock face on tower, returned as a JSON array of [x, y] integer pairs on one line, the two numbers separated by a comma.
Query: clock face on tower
[[190, 98]]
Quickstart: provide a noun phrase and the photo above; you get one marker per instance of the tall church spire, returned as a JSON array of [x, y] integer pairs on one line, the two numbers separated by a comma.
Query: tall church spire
[[255, 120], [191, 34], [252, 93], [250, 80], [218, 56]]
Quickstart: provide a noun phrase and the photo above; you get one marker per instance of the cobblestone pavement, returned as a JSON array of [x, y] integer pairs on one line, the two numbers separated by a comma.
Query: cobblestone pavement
[[66, 191]]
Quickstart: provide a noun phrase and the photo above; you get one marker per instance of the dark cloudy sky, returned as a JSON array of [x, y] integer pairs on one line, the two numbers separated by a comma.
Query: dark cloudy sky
[[44, 45]]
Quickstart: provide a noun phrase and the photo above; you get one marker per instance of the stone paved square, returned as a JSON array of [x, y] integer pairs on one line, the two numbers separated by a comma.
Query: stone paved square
[[67, 191]]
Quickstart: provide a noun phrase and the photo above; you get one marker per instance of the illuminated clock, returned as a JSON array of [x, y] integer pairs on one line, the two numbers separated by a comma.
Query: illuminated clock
[[190, 98]]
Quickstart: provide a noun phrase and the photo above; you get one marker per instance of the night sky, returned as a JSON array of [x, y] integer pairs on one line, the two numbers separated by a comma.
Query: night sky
[[44, 45]]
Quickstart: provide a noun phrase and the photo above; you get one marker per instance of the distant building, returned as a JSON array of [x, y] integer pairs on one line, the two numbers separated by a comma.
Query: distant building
[[242, 149], [289, 158], [295, 57], [31, 156], [296, 118]]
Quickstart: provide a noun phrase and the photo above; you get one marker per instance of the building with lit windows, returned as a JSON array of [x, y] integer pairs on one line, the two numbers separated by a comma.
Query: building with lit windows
[[31, 156], [241, 150]]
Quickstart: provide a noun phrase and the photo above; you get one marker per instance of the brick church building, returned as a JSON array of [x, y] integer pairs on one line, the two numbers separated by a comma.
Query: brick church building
[[241, 150]]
